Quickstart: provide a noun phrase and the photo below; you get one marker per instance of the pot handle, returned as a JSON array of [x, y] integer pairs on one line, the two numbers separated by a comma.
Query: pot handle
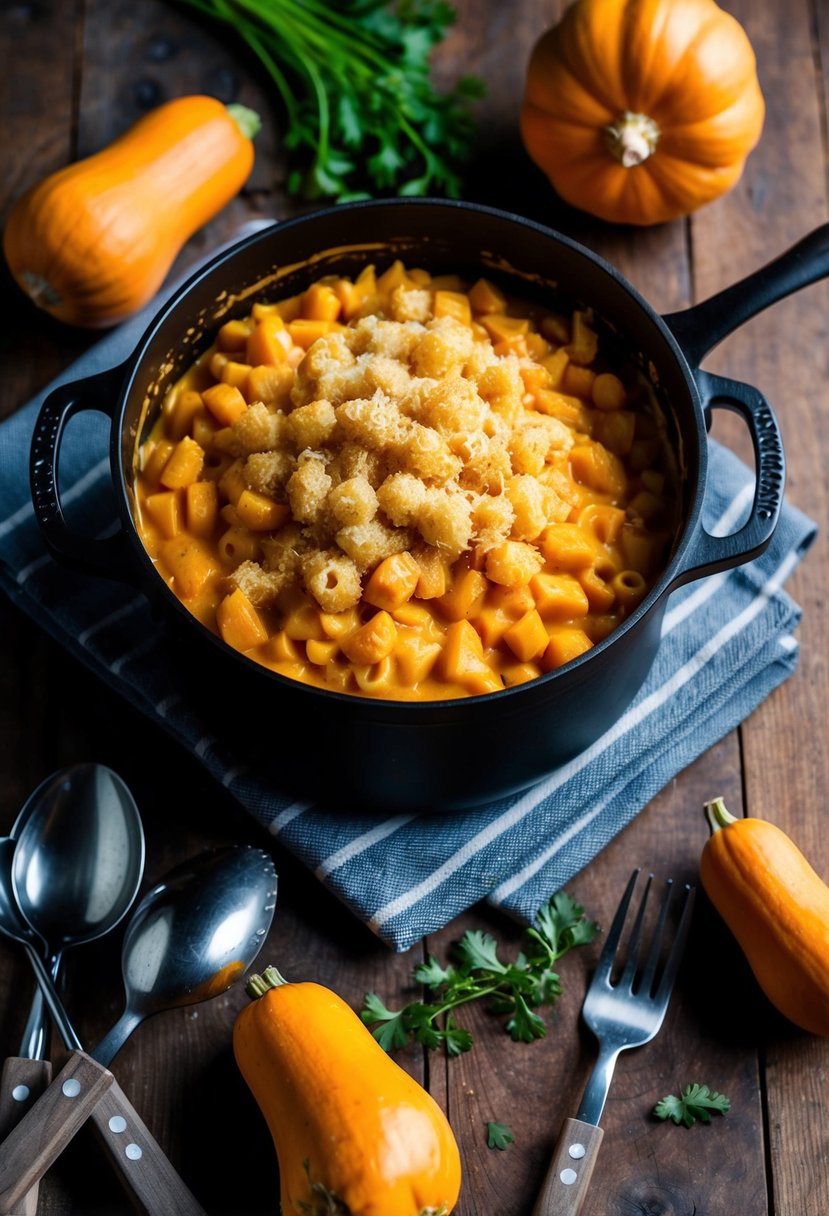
[[708, 554], [108, 555], [700, 328]]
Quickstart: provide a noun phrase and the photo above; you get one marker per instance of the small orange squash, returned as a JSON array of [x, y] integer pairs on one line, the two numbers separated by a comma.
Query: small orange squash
[[776, 906], [92, 243], [640, 111], [353, 1132]]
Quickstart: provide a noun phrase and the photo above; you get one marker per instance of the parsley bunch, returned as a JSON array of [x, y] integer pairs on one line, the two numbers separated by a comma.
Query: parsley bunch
[[695, 1102], [513, 990], [354, 81]]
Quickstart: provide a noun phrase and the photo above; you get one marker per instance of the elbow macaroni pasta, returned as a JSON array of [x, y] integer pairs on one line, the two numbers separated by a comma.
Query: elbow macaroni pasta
[[408, 487]]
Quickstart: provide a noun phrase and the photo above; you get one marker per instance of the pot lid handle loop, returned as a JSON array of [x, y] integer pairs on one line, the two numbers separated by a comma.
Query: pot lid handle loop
[[700, 328]]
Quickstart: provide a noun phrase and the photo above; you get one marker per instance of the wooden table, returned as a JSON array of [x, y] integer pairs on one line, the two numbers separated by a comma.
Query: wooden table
[[75, 76]]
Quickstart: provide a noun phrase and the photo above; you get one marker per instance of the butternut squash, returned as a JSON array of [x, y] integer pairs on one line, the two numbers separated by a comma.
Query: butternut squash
[[776, 906], [353, 1132], [92, 243]]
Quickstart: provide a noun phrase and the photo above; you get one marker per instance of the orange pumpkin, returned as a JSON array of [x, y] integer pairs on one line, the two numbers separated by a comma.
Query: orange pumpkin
[[93, 242], [640, 111]]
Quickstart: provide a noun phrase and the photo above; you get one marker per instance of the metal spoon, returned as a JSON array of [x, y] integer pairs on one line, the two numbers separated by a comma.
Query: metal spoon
[[93, 859], [190, 938], [84, 845]]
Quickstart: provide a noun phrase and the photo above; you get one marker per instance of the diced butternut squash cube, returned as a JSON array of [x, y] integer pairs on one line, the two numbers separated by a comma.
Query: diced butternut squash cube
[[453, 304], [415, 657], [556, 365], [502, 328], [233, 335], [465, 597], [225, 402], [596, 467], [395, 276], [486, 297], [527, 638], [234, 373], [393, 582], [564, 546], [180, 411], [578, 380], [201, 507], [239, 623], [563, 646], [559, 597], [282, 649], [372, 642], [432, 581], [164, 509], [320, 303], [190, 562], [260, 513], [269, 342], [184, 466], [462, 662], [304, 331]]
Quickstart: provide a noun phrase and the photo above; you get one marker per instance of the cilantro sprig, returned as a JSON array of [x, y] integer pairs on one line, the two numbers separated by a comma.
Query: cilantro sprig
[[512, 990], [353, 79], [696, 1102]]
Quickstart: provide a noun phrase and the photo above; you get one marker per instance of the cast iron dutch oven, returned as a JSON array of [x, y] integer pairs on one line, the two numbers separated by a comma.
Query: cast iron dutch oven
[[405, 756]]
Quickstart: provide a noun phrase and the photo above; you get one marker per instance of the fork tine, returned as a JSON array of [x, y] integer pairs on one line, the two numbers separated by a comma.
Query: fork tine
[[632, 963], [605, 963], [646, 981], [666, 984]]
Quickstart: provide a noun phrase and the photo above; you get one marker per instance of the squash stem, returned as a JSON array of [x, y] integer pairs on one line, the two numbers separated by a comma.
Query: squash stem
[[632, 138], [717, 815], [258, 985], [247, 120]]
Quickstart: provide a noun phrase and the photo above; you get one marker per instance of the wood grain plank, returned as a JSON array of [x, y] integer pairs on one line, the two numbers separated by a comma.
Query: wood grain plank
[[783, 352]]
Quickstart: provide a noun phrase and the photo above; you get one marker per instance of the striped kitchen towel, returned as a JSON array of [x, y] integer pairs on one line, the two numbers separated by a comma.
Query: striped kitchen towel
[[728, 640]]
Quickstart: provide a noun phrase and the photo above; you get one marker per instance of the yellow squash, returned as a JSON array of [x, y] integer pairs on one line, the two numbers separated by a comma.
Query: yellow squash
[[353, 1132], [92, 243], [640, 111], [777, 907]]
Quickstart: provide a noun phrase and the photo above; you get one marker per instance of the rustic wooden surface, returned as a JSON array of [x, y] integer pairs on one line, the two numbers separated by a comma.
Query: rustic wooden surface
[[76, 74]]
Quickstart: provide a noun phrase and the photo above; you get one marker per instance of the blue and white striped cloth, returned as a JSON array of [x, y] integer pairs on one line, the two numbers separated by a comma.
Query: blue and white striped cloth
[[728, 641]]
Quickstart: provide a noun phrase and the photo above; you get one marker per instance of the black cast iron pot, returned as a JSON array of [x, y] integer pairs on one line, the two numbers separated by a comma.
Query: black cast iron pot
[[399, 755]]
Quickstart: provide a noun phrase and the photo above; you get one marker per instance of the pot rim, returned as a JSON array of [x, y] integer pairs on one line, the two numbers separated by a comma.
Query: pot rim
[[444, 709]]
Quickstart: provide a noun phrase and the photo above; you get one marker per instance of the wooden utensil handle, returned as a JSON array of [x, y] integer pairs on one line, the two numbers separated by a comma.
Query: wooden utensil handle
[[48, 1126], [568, 1177], [154, 1186], [21, 1083]]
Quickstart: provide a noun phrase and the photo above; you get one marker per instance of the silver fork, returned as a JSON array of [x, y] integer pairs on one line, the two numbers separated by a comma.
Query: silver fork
[[623, 1013]]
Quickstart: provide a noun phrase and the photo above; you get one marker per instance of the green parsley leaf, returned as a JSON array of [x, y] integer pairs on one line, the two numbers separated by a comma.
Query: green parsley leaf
[[512, 990], [353, 75], [695, 1103], [498, 1135]]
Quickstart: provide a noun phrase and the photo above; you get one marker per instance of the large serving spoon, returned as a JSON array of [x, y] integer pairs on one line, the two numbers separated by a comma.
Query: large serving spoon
[[92, 858], [190, 938]]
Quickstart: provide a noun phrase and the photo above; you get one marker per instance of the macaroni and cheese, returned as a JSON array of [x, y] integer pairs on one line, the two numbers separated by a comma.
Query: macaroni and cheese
[[407, 486]]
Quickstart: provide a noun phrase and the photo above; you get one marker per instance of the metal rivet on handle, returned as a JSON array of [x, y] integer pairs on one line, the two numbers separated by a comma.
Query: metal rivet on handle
[[117, 1124], [20, 1093], [568, 1177], [133, 1151], [577, 1150], [72, 1087]]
